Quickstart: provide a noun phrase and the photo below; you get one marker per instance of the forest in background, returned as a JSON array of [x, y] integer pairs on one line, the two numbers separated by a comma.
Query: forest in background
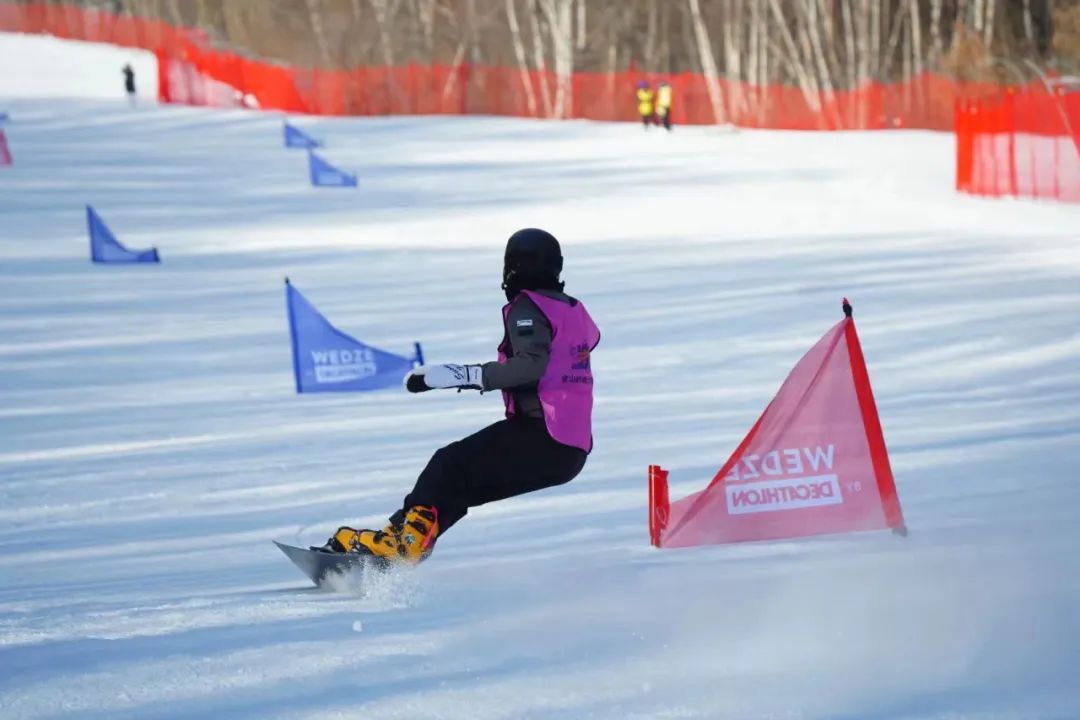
[[816, 45]]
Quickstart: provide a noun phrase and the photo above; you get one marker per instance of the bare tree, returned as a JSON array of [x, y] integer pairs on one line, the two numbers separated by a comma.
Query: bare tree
[[384, 15], [538, 52], [519, 54], [708, 62], [937, 42], [803, 76], [733, 55], [559, 16], [988, 22], [915, 23], [1029, 26], [424, 11], [582, 26], [813, 35], [896, 33], [317, 28]]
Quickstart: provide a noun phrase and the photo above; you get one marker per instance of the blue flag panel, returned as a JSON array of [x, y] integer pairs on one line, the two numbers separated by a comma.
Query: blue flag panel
[[327, 360], [297, 138], [323, 174], [105, 248]]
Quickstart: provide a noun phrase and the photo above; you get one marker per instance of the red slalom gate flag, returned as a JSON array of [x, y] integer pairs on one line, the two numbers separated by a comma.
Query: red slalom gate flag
[[814, 463], [5, 152]]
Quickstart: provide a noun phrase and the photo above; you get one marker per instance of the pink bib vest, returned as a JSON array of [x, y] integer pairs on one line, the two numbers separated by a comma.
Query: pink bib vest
[[566, 389]]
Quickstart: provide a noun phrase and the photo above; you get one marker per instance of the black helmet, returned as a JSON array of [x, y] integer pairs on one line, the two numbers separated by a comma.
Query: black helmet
[[533, 261]]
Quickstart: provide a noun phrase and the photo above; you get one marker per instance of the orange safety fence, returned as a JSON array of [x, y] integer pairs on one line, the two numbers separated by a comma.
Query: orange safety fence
[[1024, 142]]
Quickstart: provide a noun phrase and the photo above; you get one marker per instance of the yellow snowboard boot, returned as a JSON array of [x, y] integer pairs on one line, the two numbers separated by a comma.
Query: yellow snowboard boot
[[411, 542]]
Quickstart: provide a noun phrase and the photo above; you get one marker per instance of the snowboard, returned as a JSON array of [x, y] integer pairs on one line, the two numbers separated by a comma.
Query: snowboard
[[320, 565]]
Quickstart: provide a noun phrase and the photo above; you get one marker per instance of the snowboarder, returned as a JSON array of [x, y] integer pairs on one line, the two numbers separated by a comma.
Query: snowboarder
[[546, 380], [645, 104], [129, 83]]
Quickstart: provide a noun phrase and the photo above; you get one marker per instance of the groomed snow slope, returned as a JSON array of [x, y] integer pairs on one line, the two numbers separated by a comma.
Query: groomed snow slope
[[151, 444], [35, 66]]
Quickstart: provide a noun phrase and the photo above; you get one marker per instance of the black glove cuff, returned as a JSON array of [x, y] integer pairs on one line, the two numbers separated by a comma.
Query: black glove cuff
[[416, 384]]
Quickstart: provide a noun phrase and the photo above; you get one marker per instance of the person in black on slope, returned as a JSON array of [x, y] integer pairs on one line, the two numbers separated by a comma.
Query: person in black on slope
[[545, 376], [129, 82]]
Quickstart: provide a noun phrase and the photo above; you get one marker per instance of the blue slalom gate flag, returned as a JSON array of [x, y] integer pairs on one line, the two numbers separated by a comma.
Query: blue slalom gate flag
[[4, 117], [297, 138], [323, 174], [327, 360], [105, 248]]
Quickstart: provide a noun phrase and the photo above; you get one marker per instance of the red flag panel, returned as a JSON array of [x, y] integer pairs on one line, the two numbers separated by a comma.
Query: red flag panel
[[5, 152], [815, 462]]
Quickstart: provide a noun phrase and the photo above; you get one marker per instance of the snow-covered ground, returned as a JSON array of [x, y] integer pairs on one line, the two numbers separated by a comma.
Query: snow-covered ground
[[42, 67], [151, 445]]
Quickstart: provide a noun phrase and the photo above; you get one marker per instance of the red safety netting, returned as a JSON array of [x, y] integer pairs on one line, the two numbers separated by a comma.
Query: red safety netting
[[193, 72], [1024, 142]]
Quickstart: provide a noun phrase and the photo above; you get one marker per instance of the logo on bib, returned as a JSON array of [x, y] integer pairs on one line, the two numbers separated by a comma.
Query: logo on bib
[[581, 354]]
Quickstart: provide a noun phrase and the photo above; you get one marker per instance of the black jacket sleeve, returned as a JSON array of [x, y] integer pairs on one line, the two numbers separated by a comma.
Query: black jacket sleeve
[[529, 333]]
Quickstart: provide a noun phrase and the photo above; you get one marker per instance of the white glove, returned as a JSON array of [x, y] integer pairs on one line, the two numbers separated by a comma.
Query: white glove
[[429, 377]]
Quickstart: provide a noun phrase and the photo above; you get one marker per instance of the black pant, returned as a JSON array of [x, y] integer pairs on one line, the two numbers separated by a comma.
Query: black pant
[[509, 458]]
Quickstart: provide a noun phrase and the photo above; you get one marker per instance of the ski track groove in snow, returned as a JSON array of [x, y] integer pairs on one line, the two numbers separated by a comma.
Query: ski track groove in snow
[[151, 445]]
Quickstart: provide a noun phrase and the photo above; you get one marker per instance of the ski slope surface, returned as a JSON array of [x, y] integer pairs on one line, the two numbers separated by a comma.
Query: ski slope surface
[[152, 446]]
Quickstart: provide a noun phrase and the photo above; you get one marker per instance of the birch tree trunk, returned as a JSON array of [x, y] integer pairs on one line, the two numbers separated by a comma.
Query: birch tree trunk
[[582, 35], [907, 56], [235, 27], [177, 19], [896, 34], [868, 50], [863, 47], [467, 40], [875, 38], [708, 62], [651, 28], [937, 41], [824, 81], [560, 20], [425, 15], [384, 13], [916, 37], [753, 75], [1029, 27], [804, 78], [317, 28], [831, 42], [519, 53], [988, 28], [733, 57], [665, 40], [851, 62], [538, 54]]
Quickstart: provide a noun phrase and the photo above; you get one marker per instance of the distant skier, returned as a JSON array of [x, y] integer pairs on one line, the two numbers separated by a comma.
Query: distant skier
[[645, 104], [663, 105], [129, 84], [546, 380]]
